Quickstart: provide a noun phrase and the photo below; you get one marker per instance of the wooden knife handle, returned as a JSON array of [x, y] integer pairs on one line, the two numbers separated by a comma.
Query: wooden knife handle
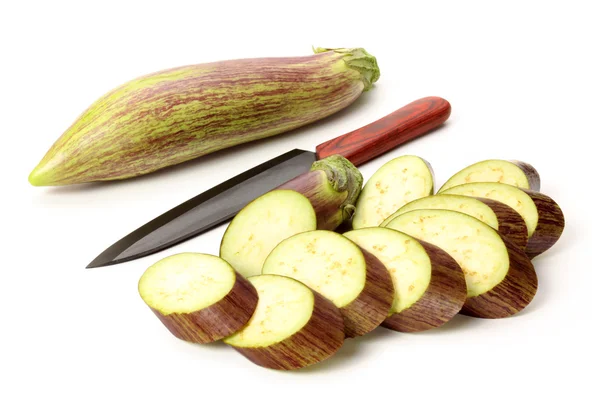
[[373, 140]]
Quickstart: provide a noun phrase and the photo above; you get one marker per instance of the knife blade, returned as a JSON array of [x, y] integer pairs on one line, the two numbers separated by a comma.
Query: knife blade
[[219, 204]]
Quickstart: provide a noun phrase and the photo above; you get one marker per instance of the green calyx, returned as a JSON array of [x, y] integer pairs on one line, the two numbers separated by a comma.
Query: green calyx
[[343, 176], [359, 60]]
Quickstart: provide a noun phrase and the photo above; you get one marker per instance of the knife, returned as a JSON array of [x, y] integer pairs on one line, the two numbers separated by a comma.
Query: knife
[[224, 201]]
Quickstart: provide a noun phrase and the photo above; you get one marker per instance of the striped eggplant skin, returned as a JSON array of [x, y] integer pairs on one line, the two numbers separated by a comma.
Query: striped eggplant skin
[[175, 115], [332, 186]]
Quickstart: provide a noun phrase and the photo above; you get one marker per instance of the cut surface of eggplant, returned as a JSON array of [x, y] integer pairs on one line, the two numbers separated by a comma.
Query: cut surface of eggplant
[[284, 307], [500, 278], [515, 173], [403, 256], [396, 183], [186, 282], [325, 261], [329, 263], [198, 297], [476, 247], [543, 216], [292, 326], [497, 215], [261, 225]]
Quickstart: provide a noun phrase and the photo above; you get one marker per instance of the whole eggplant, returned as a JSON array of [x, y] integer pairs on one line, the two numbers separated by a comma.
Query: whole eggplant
[[175, 115]]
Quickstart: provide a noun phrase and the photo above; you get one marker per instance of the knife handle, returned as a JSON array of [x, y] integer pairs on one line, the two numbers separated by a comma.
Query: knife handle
[[372, 140]]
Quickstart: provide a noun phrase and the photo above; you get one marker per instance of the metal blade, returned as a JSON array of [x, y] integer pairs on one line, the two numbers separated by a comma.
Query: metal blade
[[206, 210]]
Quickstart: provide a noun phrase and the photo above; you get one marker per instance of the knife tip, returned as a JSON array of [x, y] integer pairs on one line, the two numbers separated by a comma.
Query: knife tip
[[97, 263]]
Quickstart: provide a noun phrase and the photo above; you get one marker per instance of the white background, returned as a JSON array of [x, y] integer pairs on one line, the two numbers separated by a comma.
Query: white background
[[523, 81]]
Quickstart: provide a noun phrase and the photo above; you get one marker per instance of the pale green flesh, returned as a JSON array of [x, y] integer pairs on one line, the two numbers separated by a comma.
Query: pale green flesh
[[395, 184], [489, 171], [261, 225], [323, 260], [507, 194], [284, 307], [475, 246], [462, 204], [404, 257], [186, 282]]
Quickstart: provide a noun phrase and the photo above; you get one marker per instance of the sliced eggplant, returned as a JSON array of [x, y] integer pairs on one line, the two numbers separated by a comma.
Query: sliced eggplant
[[510, 172], [429, 285], [501, 280], [395, 184], [261, 225], [353, 279], [497, 215], [544, 218], [199, 298], [292, 326], [319, 199]]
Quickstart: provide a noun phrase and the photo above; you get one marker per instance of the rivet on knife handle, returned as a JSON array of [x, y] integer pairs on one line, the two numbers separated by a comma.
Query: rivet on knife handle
[[372, 140]]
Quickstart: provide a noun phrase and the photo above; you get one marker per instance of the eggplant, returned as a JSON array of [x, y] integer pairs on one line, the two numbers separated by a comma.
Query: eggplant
[[396, 183], [200, 298], [293, 326], [175, 115], [511, 172]]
